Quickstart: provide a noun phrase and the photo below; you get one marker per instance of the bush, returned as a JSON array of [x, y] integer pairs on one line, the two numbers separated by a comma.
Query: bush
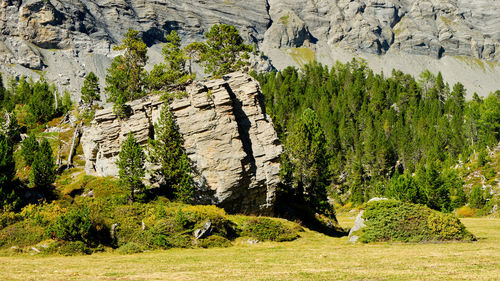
[[72, 226], [171, 241], [130, 248], [466, 212], [21, 234], [8, 218], [214, 241], [476, 199], [266, 229], [390, 220], [446, 226], [74, 248]]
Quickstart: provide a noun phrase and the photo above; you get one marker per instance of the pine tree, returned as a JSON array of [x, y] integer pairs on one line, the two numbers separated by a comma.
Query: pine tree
[[438, 195], [168, 153], [405, 188], [476, 198], [43, 171], [13, 131], [90, 90], [224, 50], [7, 172], [126, 77], [23, 91], [172, 73], [306, 148], [29, 150], [41, 106], [131, 166]]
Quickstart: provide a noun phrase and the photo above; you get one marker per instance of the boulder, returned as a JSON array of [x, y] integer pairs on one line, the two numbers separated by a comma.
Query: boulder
[[204, 231], [359, 223], [229, 139]]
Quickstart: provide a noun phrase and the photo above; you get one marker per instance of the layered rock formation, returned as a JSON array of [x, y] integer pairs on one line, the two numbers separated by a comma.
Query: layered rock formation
[[425, 27], [228, 137], [68, 38]]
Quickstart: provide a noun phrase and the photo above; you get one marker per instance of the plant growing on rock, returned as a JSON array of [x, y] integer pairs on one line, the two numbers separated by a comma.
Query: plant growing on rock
[[172, 73], [168, 152], [126, 77], [131, 166], [223, 52]]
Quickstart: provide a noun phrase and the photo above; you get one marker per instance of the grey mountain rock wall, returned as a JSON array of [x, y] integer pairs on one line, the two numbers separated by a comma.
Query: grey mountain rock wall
[[228, 137], [69, 38]]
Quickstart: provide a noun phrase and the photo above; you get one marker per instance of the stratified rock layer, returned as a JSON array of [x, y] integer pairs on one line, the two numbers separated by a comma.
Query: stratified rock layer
[[69, 38], [228, 137]]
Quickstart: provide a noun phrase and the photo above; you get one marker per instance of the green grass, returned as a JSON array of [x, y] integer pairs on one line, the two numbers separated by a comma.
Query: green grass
[[313, 257], [302, 55], [475, 62], [284, 19], [446, 20]]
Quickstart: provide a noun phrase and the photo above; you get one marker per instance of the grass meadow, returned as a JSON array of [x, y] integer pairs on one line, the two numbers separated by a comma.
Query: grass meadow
[[311, 257]]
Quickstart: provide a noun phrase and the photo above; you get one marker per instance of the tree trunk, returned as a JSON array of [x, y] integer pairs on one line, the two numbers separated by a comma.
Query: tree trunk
[[76, 135]]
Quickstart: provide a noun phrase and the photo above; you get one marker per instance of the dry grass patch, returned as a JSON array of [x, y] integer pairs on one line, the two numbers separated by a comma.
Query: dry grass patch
[[314, 256]]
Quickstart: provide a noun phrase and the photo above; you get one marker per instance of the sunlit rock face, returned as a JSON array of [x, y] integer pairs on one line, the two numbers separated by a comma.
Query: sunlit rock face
[[228, 137], [69, 38]]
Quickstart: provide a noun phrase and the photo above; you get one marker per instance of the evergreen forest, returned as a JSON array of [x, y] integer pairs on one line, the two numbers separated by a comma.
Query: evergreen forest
[[384, 136]]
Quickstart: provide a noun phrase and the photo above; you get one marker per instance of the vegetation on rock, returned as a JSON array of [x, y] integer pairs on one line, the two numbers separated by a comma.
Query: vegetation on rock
[[126, 77], [174, 172], [172, 73], [390, 220], [224, 50]]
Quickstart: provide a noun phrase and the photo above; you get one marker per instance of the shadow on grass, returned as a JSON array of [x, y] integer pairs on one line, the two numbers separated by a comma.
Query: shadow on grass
[[293, 209]]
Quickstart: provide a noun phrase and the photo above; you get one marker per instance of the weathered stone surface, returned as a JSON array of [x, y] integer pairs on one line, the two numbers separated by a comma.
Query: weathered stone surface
[[228, 137], [69, 38], [359, 223], [425, 27]]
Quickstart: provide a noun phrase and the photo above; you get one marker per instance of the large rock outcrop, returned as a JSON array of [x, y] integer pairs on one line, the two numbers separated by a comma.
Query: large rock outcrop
[[228, 137]]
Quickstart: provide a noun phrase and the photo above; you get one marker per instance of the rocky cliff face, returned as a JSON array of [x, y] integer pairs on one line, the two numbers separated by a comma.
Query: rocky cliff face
[[424, 27], [69, 38], [229, 139]]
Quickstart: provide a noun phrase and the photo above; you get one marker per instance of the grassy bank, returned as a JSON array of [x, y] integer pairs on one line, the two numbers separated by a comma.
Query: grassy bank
[[314, 256]]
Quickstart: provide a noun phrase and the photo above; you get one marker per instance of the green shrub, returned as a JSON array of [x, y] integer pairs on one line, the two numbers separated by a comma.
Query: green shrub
[[8, 218], [447, 227], [171, 241], [74, 248], [72, 226], [476, 198], [130, 248], [390, 220], [268, 229], [214, 241], [21, 234]]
